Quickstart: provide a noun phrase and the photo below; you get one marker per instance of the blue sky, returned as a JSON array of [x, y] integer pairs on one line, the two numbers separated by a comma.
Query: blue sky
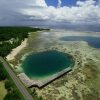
[[64, 2]]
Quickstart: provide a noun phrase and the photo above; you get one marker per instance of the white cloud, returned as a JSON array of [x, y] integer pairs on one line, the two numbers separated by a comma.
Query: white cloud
[[84, 12], [41, 3], [59, 3]]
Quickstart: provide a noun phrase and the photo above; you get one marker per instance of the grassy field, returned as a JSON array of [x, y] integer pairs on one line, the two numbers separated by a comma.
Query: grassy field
[[3, 91]]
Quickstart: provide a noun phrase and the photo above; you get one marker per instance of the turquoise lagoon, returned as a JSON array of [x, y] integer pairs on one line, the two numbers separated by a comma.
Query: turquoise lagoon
[[47, 63]]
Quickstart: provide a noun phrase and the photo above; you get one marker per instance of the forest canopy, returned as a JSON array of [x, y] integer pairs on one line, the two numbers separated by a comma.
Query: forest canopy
[[11, 37]]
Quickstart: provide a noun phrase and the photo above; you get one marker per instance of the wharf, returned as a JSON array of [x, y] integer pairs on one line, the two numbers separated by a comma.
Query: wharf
[[40, 83]]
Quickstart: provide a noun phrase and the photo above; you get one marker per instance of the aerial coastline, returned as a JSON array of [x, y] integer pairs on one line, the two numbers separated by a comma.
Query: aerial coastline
[[16, 50], [84, 55], [50, 50]]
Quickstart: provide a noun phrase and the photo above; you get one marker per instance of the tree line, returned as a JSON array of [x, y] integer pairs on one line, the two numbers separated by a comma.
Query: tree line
[[11, 37]]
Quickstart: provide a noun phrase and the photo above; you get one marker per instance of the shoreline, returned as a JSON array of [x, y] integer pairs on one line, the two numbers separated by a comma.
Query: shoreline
[[16, 50]]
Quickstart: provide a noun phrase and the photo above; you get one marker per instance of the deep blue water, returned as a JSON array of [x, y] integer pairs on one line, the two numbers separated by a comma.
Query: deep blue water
[[46, 63], [92, 41]]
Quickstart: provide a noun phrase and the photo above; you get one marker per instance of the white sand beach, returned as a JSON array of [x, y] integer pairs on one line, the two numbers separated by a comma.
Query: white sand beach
[[16, 50]]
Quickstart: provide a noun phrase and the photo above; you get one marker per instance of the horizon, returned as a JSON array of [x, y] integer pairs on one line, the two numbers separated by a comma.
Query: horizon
[[62, 12]]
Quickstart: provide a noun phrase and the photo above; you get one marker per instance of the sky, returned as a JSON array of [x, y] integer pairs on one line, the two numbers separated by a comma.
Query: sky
[[64, 2], [49, 12]]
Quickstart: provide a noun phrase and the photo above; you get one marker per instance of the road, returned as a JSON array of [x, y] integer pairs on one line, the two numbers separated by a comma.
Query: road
[[16, 80]]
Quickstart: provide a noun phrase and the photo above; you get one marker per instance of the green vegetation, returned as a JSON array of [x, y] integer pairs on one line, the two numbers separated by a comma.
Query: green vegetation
[[3, 74], [12, 91], [11, 37], [6, 33], [3, 91]]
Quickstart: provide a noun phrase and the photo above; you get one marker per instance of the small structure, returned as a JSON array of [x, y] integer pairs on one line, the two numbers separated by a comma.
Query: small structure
[[40, 83]]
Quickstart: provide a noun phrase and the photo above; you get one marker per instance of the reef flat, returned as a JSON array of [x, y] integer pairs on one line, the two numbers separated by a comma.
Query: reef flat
[[80, 84]]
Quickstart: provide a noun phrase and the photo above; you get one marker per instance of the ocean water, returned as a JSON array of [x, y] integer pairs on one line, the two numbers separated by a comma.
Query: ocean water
[[91, 40], [43, 64]]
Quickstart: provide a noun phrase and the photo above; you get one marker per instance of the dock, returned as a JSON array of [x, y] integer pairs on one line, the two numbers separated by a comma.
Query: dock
[[40, 83]]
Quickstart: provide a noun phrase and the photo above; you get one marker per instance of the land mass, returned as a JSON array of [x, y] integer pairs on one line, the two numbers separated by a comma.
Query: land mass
[[11, 37], [82, 83], [12, 41]]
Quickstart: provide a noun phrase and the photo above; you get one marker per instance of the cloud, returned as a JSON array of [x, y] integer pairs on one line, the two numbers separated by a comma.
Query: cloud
[[37, 10], [59, 3], [84, 11]]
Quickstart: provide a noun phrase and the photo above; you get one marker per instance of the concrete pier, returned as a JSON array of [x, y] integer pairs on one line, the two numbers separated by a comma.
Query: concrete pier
[[40, 83]]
